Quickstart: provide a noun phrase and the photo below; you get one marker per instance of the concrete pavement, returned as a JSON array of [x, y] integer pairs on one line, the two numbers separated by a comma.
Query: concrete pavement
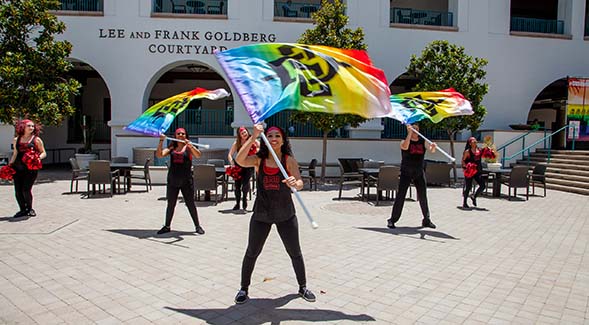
[[84, 261]]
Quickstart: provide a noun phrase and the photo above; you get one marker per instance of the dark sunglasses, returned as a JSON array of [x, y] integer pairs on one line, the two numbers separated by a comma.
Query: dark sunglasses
[[180, 133]]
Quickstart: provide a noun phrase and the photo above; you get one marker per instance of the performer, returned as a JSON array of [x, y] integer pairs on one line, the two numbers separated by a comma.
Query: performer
[[273, 205], [179, 177], [472, 158], [242, 185], [412, 169], [28, 151]]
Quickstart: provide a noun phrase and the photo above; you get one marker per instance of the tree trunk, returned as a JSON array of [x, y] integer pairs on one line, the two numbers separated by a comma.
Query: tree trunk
[[324, 156], [453, 154]]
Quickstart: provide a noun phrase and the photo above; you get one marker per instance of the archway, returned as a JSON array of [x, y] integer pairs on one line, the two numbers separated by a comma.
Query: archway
[[548, 111], [202, 117]]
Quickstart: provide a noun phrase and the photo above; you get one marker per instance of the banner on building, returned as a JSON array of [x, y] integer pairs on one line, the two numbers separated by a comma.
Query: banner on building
[[578, 108]]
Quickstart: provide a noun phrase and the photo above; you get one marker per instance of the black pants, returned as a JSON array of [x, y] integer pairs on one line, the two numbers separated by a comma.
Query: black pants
[[468, 185], [172, 195], [242, 185], [416, 175], [23, 188], [289, 233]]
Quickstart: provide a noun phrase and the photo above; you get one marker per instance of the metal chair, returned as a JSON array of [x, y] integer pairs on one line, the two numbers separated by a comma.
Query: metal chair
[[99, 173], [205, 179], [387, 180], [310, 173], [349, 174], [143, 174], [518, 178], [77, 174], [538, 177]]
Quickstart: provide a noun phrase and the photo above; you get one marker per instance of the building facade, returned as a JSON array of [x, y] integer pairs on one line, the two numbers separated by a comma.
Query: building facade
[[131, 53]]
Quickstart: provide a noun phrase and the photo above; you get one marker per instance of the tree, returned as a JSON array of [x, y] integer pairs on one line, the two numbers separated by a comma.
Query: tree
[[330, 30], [33, 65], [443, 65]]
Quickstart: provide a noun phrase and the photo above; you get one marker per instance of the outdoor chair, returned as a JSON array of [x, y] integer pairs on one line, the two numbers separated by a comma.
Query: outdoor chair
[[349, 174], [518, 178], [99, 173], [308, 172], [205, 179], [538, 177], [387, 180], [120, 160], [77, 174], [437, 173], [142, 173], [216, 162]]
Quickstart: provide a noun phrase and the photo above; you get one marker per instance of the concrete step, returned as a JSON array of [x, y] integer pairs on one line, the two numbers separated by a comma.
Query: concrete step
[[554, 160], [568, 177], [560, 171], [564, 182], [571, 156], [565, 152], [568, 189]]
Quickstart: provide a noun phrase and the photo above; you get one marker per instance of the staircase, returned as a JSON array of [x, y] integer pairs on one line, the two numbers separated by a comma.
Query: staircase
[[567, 171]]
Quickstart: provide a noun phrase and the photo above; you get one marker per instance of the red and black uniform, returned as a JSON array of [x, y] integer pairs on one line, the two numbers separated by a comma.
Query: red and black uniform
[[475, 158], [242, 185], [180, 179], [24, 178], [412, 169], [273, 205]]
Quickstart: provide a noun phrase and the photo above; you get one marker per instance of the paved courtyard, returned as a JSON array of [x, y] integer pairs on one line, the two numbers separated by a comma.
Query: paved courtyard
[[99, 261]]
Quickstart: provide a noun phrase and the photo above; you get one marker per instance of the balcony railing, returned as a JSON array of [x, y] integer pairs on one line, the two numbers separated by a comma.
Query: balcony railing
[[202, 7], [421, 17], [82, 5], [295, 9], [535, 25], [295, 129], [394, 129]]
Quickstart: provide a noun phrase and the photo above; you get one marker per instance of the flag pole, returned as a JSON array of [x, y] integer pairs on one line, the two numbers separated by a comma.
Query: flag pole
[[294, 190], [204, 146], [452, 159]]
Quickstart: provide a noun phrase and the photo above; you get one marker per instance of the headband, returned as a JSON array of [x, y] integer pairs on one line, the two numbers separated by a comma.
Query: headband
[[471, 139], [241, 128], [275, 128], [180, 129]]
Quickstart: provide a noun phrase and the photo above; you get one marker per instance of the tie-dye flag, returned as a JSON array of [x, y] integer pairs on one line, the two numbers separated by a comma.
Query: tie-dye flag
[[158, 118], [434, 105], [271, 77]]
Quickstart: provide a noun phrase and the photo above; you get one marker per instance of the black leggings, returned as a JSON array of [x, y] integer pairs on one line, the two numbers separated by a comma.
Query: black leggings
[[242, 185], [468, 185], [289, 233], [23, 188], [172, 196], [418, 177]]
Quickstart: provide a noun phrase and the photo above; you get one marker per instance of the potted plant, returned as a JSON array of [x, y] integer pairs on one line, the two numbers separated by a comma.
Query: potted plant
[[85, 154], [490, 156]]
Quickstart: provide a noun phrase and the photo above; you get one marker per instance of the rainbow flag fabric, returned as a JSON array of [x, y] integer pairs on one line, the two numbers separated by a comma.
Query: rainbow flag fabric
[[434, 105], [271, 77], [158, 118]]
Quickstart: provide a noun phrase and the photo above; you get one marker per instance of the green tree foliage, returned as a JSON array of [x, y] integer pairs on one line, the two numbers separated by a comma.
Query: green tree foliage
[[32, 64], [443, 65], [330, 30]]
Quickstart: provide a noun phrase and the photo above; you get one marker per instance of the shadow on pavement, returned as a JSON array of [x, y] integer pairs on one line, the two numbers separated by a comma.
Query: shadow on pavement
[[267, 312], [411, 231], [231, 211], [151, 234]]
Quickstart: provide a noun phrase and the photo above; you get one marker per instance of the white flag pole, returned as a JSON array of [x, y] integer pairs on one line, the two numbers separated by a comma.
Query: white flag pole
[[452, 159], [204, 146], [294, 190]]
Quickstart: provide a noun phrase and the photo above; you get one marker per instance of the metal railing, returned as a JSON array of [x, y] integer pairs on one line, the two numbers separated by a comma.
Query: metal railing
[[394, 129], [82, 5], [545, 139], [202, 7], [503, 148], [536, 25], [204, 122], [421, 17], [295, 9], [296, 129]]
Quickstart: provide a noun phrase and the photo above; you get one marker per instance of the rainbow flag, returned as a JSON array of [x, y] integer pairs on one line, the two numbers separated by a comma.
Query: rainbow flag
[[271, 77], [158, 118], [434, 105]]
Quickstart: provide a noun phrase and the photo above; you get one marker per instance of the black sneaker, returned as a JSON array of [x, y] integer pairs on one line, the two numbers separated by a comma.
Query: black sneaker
[[426, 223], [241, 297], [32, 213], [20, 214], [244, 204], [199, 230], [474, 200], [391, 224], [307, 294], [165, 229], [236, 207]]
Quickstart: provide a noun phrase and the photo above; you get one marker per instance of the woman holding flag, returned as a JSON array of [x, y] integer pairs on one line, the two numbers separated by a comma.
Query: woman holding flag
[[179, 177], [242, 185], [412, 159], [273, 205]]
